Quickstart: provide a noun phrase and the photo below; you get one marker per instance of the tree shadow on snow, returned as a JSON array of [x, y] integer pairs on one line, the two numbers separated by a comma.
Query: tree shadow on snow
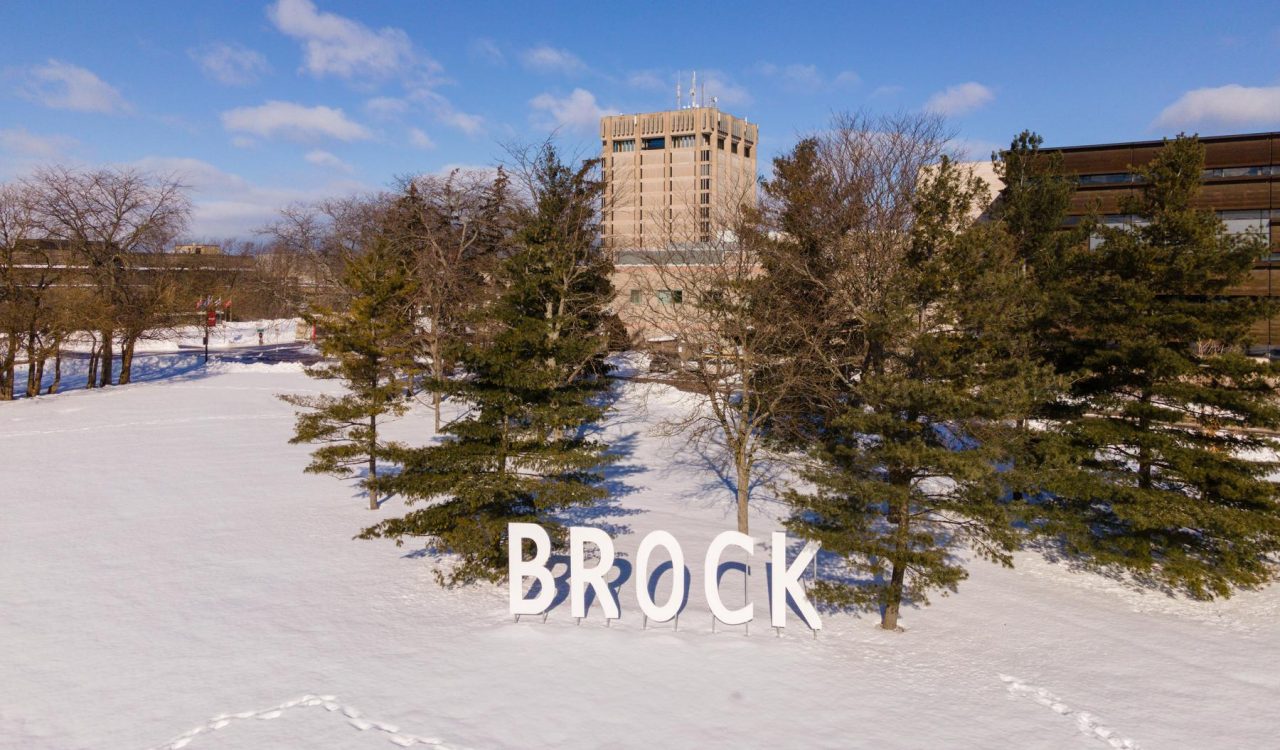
[[1054, 551], [147, 368], [716, 484]]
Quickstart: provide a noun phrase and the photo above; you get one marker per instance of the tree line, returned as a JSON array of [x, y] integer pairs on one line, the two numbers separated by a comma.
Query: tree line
[[946, 370], [85, 265]]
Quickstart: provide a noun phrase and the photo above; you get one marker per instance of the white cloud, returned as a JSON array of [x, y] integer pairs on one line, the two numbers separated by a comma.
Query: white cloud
[[243, 141], [61, 85], [27, 145], [545, 59], [807, 78], [194, 173], [386, 107], [322, 158], [975, 149], [227, 205], [795, 77], [487, 50], [717, 84], [1229, 105], [890, 90], [464, 121], [577, 111], [487, 171], [446, 113], [294, 121], [846, 78], [231, 64], [960, 99], [337, 45], [419, 139], [648, 80]]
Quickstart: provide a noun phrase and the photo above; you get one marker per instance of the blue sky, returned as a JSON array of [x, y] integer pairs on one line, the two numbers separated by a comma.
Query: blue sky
[[258, 104]]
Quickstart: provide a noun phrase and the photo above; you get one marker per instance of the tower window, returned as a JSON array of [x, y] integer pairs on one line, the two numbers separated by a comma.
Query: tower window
[[627, 145], [682, 141], [653, 144]]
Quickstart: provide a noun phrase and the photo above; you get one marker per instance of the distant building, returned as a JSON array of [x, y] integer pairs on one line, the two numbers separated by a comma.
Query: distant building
[[197, 250], [1241, 184], [673, 182], [669, 175]]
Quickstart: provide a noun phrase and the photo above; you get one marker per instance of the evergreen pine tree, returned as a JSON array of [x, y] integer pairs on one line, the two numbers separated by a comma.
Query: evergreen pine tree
[[1160, 477], [1034, 201], [910, 465], [535, 376], [366, 346], [1031, 207]]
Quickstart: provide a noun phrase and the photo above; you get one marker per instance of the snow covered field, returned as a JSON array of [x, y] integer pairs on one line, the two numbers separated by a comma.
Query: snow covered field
[[170, 578]]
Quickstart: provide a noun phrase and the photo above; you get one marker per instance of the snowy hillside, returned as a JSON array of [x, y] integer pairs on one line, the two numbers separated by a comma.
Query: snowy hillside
[[170, 578]]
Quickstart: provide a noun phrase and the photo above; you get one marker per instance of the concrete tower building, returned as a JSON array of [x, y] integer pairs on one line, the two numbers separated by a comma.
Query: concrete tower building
[[671, 177]]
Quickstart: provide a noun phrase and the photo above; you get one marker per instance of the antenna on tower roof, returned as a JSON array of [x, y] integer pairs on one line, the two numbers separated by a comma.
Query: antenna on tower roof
[[679, 95], [693, 91]]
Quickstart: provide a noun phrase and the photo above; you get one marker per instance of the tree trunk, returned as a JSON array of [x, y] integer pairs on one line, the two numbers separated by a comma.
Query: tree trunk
[[437, 373], [373, 463], [126, 360], [105, 363], [7, 369], [893, 596], [57, 370], [743, 466], [40, 373], [6, 377], [373, 449], [93, 366], [33, 365]]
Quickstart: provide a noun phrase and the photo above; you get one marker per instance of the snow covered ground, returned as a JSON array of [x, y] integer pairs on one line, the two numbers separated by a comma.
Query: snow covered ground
[[170, 578]]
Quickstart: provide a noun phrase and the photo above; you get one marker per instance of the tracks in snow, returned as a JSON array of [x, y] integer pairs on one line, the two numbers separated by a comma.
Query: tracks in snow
[[1085, 722], [330, 705]]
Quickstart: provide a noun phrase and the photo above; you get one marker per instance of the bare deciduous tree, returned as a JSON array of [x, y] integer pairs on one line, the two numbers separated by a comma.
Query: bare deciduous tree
[[706, 300], [450, 230], [112, 220]]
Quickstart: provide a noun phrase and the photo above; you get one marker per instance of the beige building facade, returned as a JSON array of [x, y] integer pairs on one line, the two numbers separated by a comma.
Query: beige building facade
[[674, 181], [670, 175]]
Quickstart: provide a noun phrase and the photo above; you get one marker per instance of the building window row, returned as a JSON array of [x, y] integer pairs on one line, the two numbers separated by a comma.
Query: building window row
[[1128, 178], [623, 146], [682, 141], [665, 296], [653, 144], [1257, 221]]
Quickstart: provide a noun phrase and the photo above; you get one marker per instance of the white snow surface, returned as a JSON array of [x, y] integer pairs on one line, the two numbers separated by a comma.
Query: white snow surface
[[170, 578]]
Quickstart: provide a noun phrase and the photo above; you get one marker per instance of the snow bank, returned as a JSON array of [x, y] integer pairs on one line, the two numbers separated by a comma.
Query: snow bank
[[170, 578]]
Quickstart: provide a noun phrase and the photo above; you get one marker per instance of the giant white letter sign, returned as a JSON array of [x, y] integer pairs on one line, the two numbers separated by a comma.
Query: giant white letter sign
[[580, 576], [787, 581], [711, 583], [672, 607], [518, 569]]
